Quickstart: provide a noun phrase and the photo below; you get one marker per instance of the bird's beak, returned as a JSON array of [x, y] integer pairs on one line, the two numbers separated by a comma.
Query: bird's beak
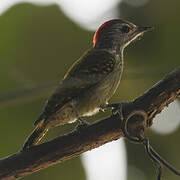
[[143, 29], [139, 31]]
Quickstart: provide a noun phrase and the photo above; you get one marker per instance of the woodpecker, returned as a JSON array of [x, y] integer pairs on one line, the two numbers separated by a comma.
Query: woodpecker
[[91, 81]]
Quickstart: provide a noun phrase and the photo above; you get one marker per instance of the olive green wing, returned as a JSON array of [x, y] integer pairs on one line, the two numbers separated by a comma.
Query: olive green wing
[[84, 74]]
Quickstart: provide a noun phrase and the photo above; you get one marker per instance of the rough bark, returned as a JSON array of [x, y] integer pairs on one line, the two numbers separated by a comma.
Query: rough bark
[[95, 135]]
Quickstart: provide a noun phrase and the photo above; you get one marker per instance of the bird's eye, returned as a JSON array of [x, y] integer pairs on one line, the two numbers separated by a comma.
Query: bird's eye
[[125, 29]]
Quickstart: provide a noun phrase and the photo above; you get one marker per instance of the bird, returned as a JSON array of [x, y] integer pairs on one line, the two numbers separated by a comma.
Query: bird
[[90, 82]]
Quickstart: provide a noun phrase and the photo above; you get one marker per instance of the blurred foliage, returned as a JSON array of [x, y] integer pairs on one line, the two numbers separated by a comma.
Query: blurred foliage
[[39, 43], [158, 51]]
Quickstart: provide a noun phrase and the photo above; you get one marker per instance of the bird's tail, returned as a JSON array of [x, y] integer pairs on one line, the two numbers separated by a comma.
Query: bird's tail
[[36, 135]]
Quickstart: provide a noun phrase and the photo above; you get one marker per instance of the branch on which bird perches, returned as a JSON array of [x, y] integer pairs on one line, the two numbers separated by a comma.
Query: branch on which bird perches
[[139, 113]]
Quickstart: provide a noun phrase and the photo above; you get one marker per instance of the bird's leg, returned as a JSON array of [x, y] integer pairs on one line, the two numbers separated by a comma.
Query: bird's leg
[[154, 156], [82, 123], [116, 108]]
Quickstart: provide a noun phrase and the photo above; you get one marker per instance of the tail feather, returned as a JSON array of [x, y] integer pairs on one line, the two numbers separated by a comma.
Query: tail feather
[[36, 135]]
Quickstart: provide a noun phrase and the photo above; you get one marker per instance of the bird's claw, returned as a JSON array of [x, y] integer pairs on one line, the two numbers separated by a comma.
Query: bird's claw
[[82, 124], [117, 109]]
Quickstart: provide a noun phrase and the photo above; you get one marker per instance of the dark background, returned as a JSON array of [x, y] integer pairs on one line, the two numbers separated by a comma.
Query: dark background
[[39, 43]]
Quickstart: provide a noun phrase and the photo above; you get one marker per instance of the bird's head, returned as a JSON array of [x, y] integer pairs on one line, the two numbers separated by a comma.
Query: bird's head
[[116, 34]]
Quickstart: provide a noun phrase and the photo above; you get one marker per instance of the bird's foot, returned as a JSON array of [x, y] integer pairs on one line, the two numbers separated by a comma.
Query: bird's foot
[[117, 109], [82, 124]]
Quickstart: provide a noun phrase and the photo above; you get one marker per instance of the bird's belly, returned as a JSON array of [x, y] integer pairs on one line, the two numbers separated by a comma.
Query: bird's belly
[[89, 113], [93, 112]]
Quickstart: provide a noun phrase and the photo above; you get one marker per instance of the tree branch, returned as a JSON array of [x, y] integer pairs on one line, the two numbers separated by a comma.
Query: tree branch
[[95, 135]]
